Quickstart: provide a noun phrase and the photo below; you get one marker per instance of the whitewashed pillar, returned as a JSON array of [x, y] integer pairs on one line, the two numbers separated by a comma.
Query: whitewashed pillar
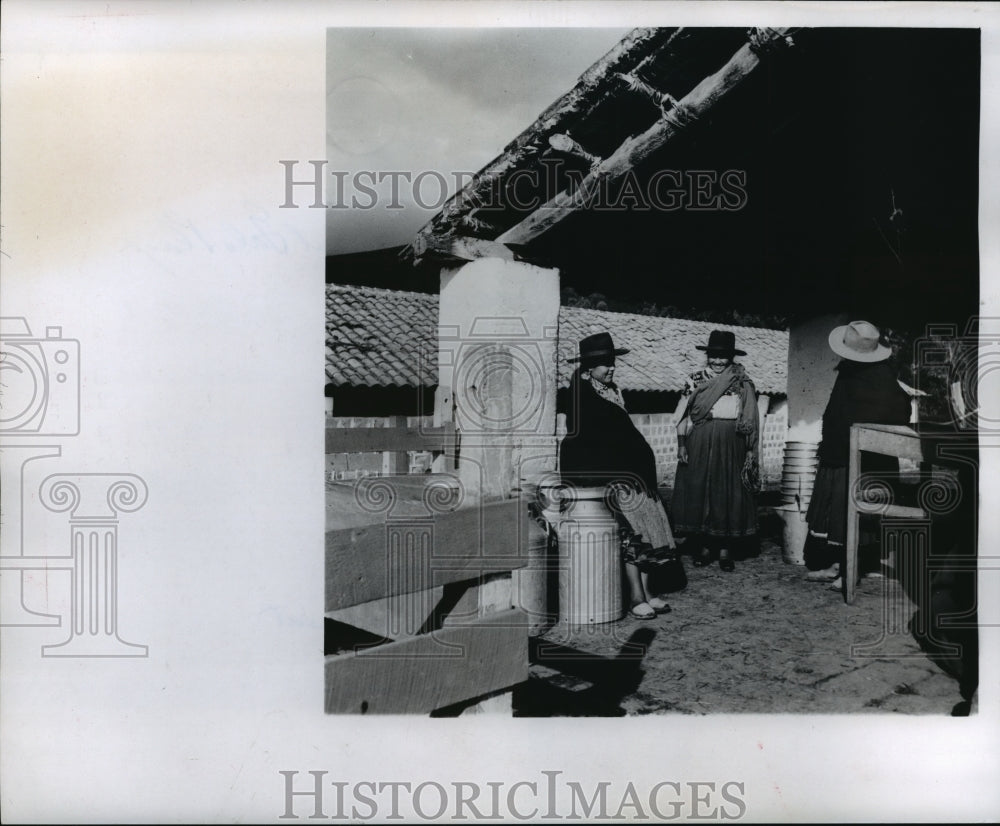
[[497, 349], [811, 375]]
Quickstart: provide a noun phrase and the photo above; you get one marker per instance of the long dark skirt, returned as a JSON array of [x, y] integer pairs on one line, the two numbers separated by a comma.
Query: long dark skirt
[[709, 496], [827, 512]]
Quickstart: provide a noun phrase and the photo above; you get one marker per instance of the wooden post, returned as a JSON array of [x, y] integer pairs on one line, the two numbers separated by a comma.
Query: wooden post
[[395, 462], [763, 402], [444, 415], [495, 596], [849, 572]]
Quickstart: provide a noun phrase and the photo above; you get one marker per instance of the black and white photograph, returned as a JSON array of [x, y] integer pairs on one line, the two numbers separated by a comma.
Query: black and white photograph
[[670, 406], [503, 411]]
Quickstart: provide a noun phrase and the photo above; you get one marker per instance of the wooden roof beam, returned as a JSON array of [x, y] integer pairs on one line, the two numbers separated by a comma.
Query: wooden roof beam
[[637, 149], [632, 51], [451, 248]]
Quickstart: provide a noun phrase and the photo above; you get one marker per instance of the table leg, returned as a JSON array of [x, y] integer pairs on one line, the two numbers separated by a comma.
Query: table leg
[[850, 572]]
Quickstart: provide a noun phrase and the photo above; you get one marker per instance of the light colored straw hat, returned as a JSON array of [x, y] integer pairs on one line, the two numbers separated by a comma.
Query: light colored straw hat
[[858, 341]]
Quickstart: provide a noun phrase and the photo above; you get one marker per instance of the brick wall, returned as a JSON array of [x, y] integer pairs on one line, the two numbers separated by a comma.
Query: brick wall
[[344, 466], [661, 433], [773, 448]]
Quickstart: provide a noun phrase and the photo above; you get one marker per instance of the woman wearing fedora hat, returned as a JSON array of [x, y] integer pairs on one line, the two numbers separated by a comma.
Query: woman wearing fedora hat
[[718, 471], [603, 447], [866, 390]]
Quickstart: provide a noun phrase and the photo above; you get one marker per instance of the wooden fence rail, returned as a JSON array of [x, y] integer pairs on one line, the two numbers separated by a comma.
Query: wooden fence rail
[[397, 437], [433, 559], [393, 442], [364, 564]]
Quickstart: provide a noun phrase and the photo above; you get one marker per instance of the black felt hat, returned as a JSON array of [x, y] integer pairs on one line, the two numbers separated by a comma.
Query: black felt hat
[[595, 348], [721, 343]]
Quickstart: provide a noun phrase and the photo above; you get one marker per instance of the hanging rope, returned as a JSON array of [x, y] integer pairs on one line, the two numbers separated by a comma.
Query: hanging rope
[[896, 219]]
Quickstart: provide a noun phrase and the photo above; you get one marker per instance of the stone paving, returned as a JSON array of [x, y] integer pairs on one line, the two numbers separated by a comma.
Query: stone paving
[[759, 640]]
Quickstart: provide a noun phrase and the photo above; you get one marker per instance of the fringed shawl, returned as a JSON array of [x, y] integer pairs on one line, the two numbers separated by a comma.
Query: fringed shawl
[[706, 394]]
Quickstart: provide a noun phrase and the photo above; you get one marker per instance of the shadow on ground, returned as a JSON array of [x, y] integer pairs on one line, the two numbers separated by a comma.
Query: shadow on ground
[[581, 683], [761, 639]]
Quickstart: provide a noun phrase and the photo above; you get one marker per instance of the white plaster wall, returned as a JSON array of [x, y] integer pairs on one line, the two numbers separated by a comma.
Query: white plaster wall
[[811, 375], [497, 355]]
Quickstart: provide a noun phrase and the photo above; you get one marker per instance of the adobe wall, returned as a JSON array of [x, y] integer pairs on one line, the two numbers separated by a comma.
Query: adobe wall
[[811, 375]]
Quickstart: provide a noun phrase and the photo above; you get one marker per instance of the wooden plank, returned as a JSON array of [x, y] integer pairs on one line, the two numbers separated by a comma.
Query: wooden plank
[[496, 594], [901, 442], [897, 429], [635, 150], [395, 462], [851, 547], [405, 555], [380, 439], [421, 674], [454, 604], [892, 511], [388, 617]]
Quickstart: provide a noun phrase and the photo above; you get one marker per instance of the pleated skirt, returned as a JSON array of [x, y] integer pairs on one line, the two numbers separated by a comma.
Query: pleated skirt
[[709, 496], [827, 513], [648, 518]]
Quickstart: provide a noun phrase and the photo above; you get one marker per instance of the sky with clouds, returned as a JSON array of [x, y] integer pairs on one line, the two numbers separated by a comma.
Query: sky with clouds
[[438, 104]]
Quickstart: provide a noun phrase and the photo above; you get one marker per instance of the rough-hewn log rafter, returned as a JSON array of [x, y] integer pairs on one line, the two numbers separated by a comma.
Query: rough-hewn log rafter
[[451, 247], [591, 89], [637, 149]]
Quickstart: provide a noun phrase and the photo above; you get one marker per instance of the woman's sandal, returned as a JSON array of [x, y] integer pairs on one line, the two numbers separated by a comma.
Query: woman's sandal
[[659, 605], [642, 615]]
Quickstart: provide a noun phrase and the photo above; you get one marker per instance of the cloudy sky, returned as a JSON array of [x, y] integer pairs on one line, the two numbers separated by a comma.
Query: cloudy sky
[[438, 104]]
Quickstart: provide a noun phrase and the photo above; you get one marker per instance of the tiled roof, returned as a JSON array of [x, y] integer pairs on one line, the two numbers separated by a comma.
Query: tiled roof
[[663, 350], [380, 338], [386, 338]]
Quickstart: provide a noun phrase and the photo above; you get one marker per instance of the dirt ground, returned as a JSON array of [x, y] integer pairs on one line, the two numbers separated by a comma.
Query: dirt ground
[[758, 640], [761, 639]]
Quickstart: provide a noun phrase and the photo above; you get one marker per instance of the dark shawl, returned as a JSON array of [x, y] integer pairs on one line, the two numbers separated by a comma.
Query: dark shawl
[[861, 393], [602, 444]]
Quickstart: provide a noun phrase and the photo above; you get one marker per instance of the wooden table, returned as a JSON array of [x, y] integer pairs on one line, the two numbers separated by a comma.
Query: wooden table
[[890, 440]]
